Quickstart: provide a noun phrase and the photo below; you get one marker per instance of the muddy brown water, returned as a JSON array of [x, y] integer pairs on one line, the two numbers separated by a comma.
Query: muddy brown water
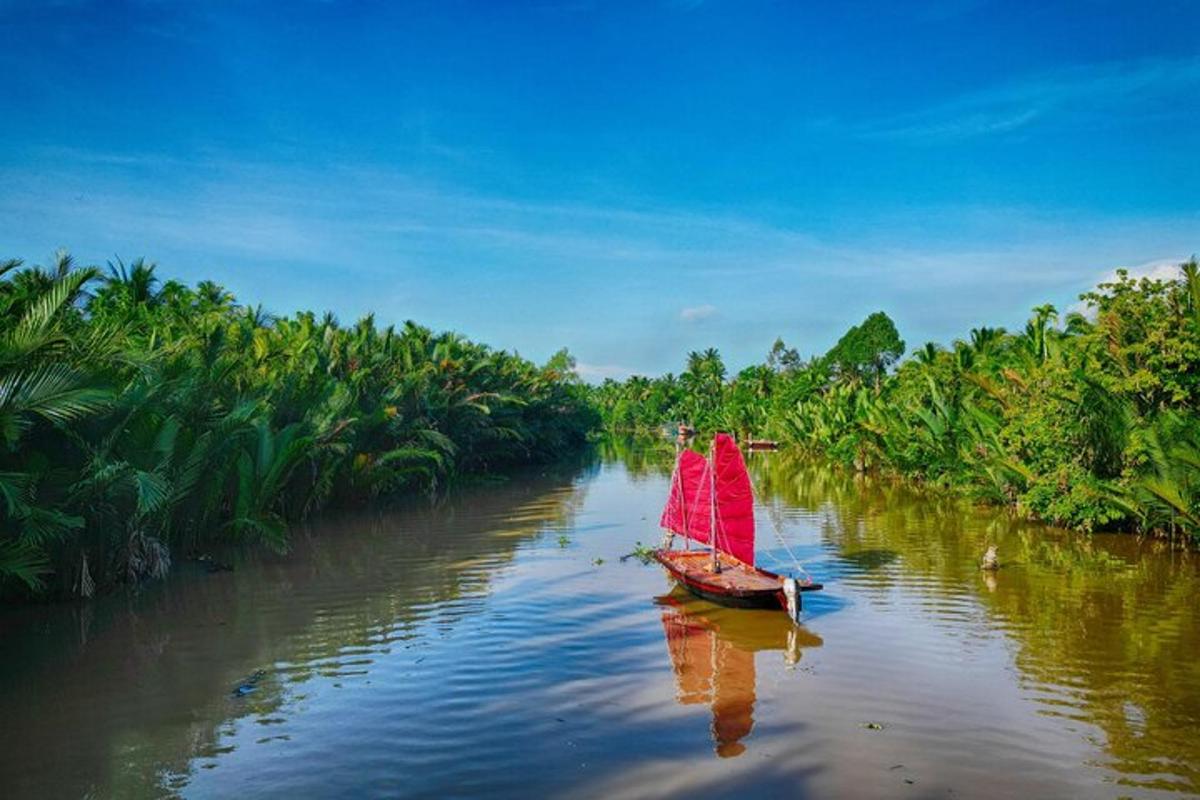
[[496, 645]]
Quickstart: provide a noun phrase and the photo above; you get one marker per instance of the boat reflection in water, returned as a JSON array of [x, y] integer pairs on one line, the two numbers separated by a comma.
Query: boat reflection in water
[[712, 653]]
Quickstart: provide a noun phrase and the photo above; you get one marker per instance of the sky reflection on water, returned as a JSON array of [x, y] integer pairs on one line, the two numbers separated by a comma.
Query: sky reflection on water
[[496, 643]]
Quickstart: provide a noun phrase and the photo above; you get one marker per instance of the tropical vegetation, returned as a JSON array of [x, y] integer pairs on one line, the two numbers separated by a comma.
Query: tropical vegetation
[[144, 421], [1090, 419]]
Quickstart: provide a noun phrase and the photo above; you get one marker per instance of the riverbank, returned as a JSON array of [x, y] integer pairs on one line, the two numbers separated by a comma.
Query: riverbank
[[1085, 420], [144, 420]]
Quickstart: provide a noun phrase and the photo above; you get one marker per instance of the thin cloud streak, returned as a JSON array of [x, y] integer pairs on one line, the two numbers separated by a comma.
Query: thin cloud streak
[[411, 248], [698, 313], [1093, 88]]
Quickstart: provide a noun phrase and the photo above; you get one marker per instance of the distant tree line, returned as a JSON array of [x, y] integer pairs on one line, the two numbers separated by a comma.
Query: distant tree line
[[1091, 421], [142, 421]]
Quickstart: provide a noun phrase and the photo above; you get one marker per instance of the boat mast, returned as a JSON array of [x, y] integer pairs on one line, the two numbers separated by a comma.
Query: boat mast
[[677, 480], [712, 506]]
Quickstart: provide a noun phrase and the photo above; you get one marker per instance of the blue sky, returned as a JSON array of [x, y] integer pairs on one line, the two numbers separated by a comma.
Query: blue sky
[[631, 180]]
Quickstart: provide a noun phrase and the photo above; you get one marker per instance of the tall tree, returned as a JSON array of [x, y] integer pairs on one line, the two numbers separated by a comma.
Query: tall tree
[[866, 351], [783, 358]]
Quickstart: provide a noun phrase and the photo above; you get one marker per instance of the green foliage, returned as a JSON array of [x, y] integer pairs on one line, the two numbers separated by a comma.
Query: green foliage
[[139, 418], [1090, 423], [1166, 494], [643, 553], [866, 351]]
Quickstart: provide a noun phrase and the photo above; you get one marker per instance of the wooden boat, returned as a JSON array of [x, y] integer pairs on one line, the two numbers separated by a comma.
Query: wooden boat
[[711, 503], [762, 444]]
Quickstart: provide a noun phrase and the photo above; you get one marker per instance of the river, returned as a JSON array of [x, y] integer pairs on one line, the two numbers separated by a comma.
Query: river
[[496, 644]]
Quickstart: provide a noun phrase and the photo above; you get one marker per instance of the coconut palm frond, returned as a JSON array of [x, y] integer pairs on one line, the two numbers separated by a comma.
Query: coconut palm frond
[[24, 562]]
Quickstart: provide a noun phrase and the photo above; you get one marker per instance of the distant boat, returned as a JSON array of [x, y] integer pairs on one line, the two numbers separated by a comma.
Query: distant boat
[[762, 444], [680, 431], [724, 571]]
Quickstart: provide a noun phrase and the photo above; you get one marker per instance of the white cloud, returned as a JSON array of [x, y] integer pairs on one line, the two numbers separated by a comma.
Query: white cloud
[[1163, 269], [354, 237], [698, 313], [594, 373]]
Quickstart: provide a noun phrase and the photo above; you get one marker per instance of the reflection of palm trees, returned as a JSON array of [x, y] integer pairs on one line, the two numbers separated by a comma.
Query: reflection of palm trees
[[392, 573], [640, 457], [712, 653], [1091, 617]]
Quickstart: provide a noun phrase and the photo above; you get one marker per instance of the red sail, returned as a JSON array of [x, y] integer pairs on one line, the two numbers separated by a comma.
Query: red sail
[[735, 500], [681, 513], [689, 507]]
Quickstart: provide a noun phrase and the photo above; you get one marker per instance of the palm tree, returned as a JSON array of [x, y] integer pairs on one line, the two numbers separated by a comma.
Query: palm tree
[[1191, 282], [135, 283], [984, 339], [1167, 497], [927, 355], [1037, 336], [38, 383]]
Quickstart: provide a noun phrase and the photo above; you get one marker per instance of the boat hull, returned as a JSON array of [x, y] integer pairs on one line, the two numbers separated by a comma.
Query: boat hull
[[737, 585], [756, 600]]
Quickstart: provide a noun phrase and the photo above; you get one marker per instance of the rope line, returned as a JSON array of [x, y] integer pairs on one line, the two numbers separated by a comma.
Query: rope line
[[776, 527], [773, 513], [715, 534]]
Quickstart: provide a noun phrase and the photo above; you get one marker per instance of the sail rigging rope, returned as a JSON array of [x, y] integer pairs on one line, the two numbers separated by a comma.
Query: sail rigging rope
[[777, 528], [677, 486], [715, 537], [695, 499]]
